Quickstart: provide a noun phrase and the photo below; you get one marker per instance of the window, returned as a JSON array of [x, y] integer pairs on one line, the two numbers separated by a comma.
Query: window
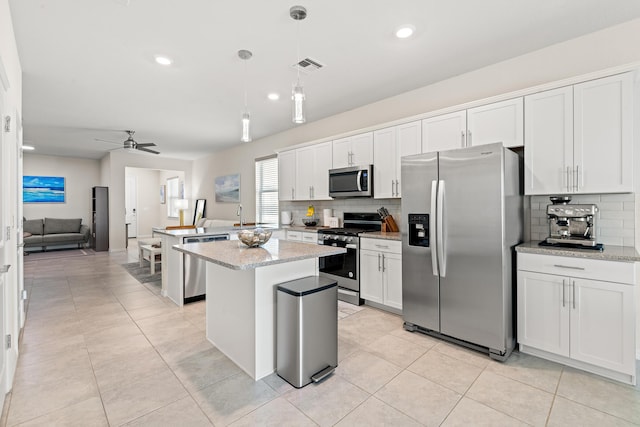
[[172, 196], [267, 190]]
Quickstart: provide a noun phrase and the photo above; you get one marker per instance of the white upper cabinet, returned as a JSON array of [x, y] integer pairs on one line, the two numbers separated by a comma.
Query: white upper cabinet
[[603, 135], [549, 138], [579, 139], [497, 122], [353, 150], [389, 146], [312, 177], [287, 175], [444, 132]]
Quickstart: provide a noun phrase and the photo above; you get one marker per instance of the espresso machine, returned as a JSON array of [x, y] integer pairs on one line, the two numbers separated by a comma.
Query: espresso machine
[[572, 225]]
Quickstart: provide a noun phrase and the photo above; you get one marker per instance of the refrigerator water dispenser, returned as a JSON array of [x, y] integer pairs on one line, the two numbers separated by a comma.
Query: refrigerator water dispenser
[[418, 230]]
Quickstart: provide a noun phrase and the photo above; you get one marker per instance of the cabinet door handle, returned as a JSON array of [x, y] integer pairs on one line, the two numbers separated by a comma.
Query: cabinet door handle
[[378, 262], [382, 246], [383, 263], [393, 192], [292, 194], [563, 291], [568, 179], [397, 188], [462, 138], [568, 266], [469, 140], [574, 294], [577, 181]]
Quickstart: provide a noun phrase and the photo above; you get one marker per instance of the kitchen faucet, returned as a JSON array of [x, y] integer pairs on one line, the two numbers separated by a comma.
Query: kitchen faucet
[[239, 213]]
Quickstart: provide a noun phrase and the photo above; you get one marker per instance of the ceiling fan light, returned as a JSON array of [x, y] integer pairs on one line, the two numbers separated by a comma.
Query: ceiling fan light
[[273, 96], [246, 127], [297, 104]]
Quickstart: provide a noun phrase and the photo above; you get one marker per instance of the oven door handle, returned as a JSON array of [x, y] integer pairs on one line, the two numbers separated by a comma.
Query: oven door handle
[[351, 246]]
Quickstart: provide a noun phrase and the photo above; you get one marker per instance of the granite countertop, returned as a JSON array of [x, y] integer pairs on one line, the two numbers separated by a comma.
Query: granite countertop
[[383, 235], [610, 252], [211, 231], [235, 255]]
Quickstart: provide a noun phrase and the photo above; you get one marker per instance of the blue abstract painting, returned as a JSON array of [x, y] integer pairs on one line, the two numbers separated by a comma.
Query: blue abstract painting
[[43, 189]]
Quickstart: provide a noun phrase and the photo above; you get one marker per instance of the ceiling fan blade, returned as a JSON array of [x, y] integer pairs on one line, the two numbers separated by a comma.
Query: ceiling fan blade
[[147, 150], [113, 149], [146, 144], [104, 140]]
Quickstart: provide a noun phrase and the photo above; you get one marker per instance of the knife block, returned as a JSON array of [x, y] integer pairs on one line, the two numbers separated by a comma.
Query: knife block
[[390, 225]]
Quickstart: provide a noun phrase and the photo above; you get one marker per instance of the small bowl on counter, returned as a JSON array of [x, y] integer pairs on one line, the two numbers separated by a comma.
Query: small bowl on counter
[[254, 238]]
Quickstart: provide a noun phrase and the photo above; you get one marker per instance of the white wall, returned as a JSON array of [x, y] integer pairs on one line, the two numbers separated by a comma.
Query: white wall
[[80, 176]]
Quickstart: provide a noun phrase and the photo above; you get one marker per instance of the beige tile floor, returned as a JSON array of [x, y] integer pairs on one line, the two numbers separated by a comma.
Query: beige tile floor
[[99, 348]]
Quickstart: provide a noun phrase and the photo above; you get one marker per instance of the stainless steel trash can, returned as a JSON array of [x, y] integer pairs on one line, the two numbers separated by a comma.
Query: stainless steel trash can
[[307, 330]]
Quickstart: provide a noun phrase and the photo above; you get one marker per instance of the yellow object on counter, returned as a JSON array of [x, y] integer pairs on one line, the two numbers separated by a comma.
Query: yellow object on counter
[[311, 210]]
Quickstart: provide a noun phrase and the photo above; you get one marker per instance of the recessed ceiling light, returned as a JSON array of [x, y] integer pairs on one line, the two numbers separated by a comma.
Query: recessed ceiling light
[[405, 31], [28, 147], [163, 60], [273, 96]]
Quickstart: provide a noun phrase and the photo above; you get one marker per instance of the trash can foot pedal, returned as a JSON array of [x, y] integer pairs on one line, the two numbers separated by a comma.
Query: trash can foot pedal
[[319, 376]]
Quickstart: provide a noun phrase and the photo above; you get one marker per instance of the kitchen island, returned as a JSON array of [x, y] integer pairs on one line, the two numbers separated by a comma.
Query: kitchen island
[[241, 294]]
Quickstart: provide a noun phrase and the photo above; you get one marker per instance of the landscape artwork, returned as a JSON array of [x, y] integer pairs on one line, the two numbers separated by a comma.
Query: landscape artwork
[[43, 189], [228, 188]]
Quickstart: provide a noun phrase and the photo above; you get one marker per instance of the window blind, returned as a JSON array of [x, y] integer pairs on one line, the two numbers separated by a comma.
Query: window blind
[[267, 190]]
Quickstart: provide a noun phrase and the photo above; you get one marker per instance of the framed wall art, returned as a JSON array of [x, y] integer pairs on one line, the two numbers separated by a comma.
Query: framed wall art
[[228, 188], [43, 189]]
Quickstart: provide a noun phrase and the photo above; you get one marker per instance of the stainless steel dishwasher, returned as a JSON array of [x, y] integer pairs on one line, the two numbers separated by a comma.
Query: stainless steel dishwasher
[[194, 277]]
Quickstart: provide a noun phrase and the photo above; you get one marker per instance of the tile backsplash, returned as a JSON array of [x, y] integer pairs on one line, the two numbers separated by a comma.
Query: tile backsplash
[[616, 213], [616, 217], [340, 206]]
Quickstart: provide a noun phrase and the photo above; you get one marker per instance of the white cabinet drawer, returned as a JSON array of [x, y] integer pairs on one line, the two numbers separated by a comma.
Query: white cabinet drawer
[[294, 235], [382, 245], [310, 237], [608, 271]]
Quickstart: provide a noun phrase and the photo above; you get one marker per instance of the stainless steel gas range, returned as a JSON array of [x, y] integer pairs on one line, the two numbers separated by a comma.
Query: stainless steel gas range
[[345, 268]]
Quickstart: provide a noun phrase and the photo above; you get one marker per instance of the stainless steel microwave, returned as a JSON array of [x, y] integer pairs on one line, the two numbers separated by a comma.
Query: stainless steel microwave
[[354, 181]]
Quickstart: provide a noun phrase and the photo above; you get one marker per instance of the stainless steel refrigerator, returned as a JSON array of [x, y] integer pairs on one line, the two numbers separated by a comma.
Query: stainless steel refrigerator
[[462, 216]]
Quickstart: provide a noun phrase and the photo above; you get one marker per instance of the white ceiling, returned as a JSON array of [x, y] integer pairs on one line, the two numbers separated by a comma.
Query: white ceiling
[[89, 71]]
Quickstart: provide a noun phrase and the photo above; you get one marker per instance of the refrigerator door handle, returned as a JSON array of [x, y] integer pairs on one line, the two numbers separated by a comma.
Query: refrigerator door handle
[[432, 228], [442, 261]]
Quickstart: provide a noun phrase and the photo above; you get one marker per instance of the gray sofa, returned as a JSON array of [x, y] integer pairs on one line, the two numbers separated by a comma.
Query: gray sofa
[[55, 231]]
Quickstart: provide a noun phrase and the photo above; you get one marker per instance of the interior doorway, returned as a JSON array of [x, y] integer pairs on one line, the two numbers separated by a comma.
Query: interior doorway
[[131, 205]]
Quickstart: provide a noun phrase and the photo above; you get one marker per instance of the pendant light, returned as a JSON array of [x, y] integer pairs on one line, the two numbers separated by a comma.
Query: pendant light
[[245, 55], [298, 13]]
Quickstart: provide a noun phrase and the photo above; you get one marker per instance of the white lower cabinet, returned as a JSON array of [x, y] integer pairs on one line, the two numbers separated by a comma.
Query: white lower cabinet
[[303, 236], [566, 313], [381, 272]]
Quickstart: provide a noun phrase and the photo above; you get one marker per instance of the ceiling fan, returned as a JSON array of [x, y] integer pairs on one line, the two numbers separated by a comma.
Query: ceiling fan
[[131, 143]]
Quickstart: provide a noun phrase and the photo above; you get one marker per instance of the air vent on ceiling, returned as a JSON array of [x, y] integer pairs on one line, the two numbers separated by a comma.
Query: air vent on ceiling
[[308, 65]]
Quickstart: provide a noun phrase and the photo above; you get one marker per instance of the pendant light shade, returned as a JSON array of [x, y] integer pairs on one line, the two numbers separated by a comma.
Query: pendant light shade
[[245, 55], [297, 105], [246, 127], [298, 13]]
